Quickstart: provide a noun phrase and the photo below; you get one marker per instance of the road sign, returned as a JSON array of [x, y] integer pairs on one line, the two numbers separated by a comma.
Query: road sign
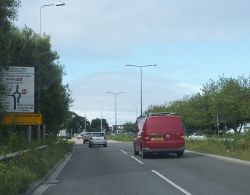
[[19, 82], [21, 119]]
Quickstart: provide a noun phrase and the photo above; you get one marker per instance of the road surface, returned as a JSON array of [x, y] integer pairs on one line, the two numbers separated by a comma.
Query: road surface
[[115, 170]]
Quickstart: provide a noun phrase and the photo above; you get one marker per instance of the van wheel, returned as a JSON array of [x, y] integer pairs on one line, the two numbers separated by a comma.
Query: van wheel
[[179, 154], [136, 152], [143, 154]]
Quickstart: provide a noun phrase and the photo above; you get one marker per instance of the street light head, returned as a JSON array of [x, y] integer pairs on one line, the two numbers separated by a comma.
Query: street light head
[[59, 3], [140, 66], [129, 65], [115, 92]]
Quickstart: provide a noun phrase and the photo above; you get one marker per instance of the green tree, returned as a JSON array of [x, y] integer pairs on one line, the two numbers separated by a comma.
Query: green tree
[[129, 127], [76, 123], [96, 124], [8, 12], [227, 96]]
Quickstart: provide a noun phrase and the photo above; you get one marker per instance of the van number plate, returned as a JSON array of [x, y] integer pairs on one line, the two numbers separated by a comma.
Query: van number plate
[[157, 138]]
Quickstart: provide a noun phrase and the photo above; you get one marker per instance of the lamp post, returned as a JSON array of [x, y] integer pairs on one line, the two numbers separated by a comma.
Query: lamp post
[[115, 94], [135, 111], [141, 66], [58, 3]]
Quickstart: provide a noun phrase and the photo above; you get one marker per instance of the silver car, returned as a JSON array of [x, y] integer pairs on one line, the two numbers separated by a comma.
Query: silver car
[[97, 138]]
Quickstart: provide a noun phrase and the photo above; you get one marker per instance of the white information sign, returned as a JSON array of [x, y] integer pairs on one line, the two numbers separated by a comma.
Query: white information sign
[[19, 82]]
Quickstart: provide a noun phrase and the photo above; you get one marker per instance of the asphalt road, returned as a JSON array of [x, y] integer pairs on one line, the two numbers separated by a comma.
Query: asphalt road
[[114, 170]]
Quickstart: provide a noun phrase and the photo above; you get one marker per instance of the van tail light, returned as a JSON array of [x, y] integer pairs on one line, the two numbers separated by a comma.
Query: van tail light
[[147, 138], [167, 136]]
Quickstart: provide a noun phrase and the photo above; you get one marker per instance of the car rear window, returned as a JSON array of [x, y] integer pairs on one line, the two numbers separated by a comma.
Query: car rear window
[[156, 124], [98, 134]]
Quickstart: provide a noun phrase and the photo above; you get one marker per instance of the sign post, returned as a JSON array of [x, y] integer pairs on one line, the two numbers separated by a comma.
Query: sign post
[[18, 101]]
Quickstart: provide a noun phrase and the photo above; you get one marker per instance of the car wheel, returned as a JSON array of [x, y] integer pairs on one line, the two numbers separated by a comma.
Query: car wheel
[[90, 146], [105, 145]]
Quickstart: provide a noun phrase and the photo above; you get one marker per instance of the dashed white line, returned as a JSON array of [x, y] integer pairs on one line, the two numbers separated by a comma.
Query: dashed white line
[[137, 160], [124, 152], [172, 183]]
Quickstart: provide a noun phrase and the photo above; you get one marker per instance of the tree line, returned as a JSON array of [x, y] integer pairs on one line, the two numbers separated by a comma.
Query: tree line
[[77, 124], [226, 97]]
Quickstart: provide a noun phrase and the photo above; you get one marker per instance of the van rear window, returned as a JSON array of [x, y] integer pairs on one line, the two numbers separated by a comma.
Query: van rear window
[[156, 124]]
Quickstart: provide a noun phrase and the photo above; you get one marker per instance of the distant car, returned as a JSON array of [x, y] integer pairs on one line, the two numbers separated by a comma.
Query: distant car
[[197, 136], [86, 136], [79, 136], [97, 138], [68, 136], [230, 131]]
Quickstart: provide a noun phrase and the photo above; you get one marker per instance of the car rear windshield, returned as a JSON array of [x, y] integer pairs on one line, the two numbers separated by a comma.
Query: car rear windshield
[[97, 134], [156, 124]]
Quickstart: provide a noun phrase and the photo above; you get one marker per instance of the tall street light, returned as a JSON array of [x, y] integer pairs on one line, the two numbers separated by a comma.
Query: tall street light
[[142, 66], [58, 3], [115, 93]]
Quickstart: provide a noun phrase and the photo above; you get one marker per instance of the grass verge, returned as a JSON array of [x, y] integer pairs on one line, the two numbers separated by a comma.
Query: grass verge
[[18, 173], [121, 137], [237, 146]]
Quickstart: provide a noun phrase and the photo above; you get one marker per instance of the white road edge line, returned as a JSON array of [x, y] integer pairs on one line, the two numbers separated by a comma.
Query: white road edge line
[[172, 183], [124, 152], [137, 160]]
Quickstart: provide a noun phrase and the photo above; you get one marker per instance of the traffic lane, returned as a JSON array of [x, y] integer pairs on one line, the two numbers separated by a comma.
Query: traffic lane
[[107, 171], [199, 174]]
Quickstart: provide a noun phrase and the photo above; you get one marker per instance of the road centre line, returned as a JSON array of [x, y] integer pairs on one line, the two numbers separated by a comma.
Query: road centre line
[[137, 160], [172, 183], [124, 152]]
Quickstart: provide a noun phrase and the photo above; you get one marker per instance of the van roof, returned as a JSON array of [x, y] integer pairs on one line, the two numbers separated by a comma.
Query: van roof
[[161, 113], [158, 114]]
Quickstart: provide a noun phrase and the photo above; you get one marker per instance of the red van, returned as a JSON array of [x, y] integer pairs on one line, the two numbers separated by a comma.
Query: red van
[[159, 133]]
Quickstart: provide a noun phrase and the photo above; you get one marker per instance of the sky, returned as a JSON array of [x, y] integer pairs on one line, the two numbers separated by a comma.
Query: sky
[[190, 41]]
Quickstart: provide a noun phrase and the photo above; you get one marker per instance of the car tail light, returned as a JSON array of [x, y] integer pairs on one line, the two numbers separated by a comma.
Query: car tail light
[[182, 136]]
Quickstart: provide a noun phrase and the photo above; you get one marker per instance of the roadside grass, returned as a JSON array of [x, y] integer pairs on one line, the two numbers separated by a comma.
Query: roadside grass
[[15, 143], [16, 174], [236, 146]]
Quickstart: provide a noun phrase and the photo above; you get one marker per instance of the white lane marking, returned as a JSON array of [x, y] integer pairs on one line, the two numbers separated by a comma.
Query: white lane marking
[[172, 183], [137, 160], [124, 152]]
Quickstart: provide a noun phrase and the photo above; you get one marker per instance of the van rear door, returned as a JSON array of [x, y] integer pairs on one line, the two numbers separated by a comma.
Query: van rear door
[[164, 132]]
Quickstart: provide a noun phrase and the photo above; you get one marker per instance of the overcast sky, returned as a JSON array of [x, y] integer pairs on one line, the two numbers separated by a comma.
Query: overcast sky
[[191, 41]]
